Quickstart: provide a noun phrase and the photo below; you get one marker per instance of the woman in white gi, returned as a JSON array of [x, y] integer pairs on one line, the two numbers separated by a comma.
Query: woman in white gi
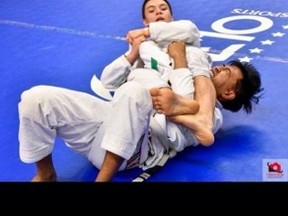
[[114, 135]]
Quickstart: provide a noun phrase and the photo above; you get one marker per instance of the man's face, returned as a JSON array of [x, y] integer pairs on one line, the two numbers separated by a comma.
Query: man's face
[[157, 10], [226, 80]]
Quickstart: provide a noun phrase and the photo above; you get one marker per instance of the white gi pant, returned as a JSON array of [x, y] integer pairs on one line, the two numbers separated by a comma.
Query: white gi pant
[[87, 124]]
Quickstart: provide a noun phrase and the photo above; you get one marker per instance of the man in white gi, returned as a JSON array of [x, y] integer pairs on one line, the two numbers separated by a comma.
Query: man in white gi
[[115, 135]]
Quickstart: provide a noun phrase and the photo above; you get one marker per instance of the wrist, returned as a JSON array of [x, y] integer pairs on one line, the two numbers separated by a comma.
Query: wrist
[[146, 32], [131, 59]]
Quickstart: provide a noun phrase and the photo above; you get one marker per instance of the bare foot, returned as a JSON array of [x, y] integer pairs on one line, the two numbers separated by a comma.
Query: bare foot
[[199, 126], [167, 102]]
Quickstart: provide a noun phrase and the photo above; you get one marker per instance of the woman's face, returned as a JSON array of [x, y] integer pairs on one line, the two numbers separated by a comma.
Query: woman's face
[[157, 10]]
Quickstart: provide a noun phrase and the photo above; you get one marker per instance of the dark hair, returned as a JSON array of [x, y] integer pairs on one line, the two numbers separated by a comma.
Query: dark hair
[[250, 87], [145, 2]]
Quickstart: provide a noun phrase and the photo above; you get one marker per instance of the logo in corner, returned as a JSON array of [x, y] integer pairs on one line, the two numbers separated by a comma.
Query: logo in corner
[[275, 170], [274, 167]]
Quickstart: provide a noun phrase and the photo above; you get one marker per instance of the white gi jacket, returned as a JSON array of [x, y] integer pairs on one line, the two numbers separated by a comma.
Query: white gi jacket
[[199, 63]]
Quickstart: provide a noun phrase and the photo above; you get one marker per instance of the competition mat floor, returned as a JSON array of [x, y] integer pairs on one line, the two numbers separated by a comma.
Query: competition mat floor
[[68, 43]]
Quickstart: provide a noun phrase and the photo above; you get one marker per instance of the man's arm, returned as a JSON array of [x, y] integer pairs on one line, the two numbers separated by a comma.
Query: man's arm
[[116, 73], [174, 104], [182, 30]]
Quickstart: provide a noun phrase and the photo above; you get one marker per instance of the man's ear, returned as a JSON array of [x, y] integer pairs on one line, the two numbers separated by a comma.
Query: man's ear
[[229, 94], [145, 23]]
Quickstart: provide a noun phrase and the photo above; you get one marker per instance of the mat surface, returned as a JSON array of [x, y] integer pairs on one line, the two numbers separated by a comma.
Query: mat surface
[[67, 44]]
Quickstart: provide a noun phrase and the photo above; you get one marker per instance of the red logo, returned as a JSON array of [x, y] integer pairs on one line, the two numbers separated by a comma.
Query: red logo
[[274, 167]]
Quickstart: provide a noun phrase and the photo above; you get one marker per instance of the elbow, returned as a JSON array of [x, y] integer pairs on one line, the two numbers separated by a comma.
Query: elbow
[[105, 80]]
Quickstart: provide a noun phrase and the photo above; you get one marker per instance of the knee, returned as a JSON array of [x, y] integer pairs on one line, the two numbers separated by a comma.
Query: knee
[[135, 90], [34, 98], [36, 94]]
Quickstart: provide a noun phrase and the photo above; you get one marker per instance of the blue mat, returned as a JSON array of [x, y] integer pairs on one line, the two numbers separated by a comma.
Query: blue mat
[[66, 44]]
